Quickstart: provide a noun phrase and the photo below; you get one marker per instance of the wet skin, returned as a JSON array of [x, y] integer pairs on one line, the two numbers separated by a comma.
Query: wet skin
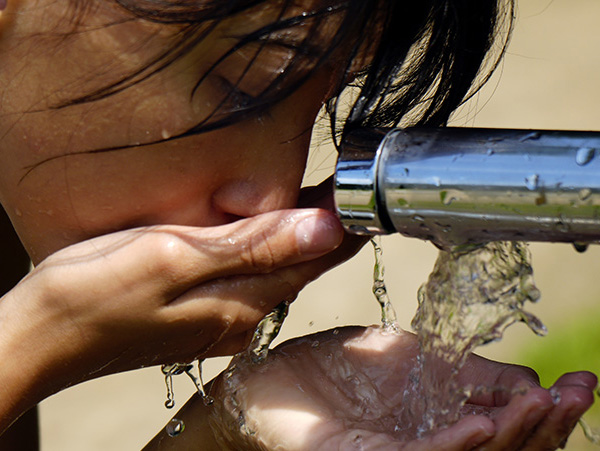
[[154, 253], [149, 254], [342, 389]]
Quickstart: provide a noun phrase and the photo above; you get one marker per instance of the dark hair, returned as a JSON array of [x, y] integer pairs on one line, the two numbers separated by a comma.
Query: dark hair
[[424, 55]]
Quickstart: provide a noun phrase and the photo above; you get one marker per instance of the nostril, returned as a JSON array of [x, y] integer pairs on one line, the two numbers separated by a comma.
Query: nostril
[[243, 199]]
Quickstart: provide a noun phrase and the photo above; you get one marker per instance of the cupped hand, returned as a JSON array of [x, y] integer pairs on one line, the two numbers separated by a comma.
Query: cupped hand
[[344, 389], [160, 294]]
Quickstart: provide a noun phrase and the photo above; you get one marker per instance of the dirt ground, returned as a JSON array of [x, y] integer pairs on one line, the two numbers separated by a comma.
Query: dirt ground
[[548, 80]]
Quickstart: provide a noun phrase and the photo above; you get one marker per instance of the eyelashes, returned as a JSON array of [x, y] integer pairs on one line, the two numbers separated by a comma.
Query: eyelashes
[[232, 93]]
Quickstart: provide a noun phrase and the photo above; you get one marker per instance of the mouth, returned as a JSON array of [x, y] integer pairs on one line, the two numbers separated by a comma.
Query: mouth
[[319, 196]]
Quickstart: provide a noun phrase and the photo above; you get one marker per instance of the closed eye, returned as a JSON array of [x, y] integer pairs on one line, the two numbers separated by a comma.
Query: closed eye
[[232, 92]]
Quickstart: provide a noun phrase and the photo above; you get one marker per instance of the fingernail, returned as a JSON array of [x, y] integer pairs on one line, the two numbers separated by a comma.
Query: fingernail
[[318, 233]]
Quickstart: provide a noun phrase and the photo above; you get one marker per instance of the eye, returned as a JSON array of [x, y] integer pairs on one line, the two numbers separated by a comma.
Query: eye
[[232, 93]]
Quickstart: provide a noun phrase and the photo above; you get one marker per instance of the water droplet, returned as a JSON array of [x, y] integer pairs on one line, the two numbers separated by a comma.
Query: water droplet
[[175, 427], [531, 137], [562, 227], [168, 371], [353, 380], [311, 324], [406, 172], [580, 247], [165, 134], [418, 218], [447, 197], [532, 182], [336, 331], [585, 194], [315, 344], [555, 394], [490, 152], [585, 155], [437, 181]]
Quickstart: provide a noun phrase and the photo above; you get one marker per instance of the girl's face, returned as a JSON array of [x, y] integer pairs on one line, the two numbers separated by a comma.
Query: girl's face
[[58, 191]]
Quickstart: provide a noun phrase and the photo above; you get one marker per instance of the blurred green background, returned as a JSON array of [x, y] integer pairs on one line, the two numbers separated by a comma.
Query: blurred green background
[[548, 80]]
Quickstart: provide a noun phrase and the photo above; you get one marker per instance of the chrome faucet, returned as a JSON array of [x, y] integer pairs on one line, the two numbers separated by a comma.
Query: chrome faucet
[[456, 186]]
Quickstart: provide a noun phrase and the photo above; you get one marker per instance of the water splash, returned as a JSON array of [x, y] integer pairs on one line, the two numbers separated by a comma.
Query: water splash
[[266, 331], [389, 319], [169, 371], [194, 372], [591, 434], [471, 297]]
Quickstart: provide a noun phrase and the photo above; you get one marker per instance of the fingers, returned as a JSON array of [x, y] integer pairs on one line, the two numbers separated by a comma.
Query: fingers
[[467, 434], [516, 422], [580, 378], [278, 239], [543, 419], [573, 395], [164, 261], [220, 281], [479, 371], [183, 256]]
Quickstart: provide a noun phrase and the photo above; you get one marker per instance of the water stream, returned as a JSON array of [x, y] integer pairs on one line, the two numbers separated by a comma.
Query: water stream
[[470, 298], [389, 319], [194, 371]]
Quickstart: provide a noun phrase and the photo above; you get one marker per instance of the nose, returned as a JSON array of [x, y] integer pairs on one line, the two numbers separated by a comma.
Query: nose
[[273, 154], [267, 180], [243, 198]]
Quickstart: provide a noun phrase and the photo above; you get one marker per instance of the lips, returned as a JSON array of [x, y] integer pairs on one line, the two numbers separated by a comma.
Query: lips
[[319, 196]]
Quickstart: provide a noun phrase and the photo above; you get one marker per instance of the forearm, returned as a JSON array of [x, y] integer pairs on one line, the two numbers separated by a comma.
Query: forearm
[[36, 353], [14, 265], [20, 390]]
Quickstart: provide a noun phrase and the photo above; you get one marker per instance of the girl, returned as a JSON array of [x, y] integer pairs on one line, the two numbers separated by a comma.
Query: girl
[[152, 153]]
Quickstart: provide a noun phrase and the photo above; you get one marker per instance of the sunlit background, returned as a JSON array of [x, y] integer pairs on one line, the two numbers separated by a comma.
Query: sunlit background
[[548, 80]]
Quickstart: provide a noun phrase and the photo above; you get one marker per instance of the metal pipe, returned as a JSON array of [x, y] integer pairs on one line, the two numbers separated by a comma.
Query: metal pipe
[[457, 186]]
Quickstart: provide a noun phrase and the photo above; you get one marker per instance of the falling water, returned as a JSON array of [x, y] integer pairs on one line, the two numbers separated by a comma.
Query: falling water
[[194, 372], [266, 331], [470, 298], [389, 319]]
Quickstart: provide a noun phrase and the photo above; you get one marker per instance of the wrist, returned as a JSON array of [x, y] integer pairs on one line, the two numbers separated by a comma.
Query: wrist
[[29, 354]]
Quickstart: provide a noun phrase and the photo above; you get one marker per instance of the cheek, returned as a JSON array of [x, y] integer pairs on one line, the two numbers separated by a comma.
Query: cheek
[[78, 197]]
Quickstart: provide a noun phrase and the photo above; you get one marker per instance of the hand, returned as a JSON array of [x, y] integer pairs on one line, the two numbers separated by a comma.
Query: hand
[[152, 295], [343, 390]]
